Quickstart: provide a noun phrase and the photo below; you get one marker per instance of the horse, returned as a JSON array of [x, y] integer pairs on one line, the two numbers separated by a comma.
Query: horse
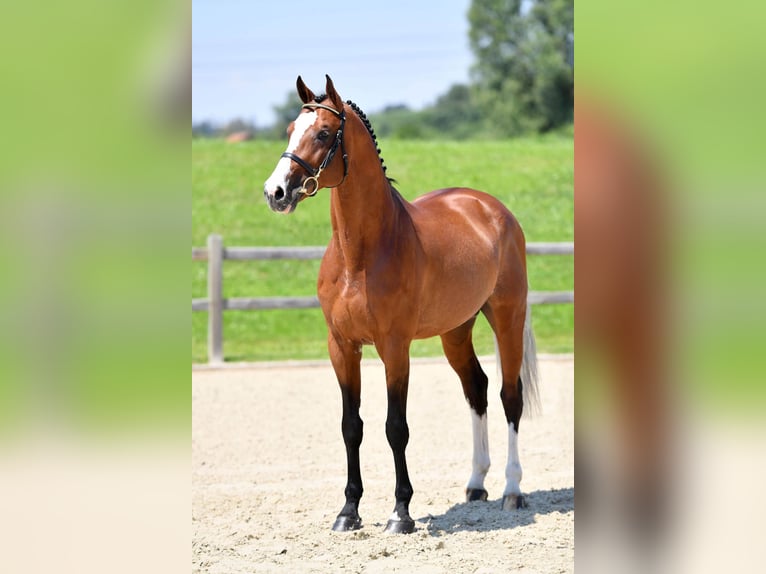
[[395, 271]]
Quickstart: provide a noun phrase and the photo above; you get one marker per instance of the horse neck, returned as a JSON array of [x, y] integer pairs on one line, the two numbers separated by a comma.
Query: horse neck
[[367, 213]]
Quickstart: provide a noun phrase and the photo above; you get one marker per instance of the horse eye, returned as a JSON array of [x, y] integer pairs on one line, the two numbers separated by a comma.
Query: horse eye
[[323, 135]]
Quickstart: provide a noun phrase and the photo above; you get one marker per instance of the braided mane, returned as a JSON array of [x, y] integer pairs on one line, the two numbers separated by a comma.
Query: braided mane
[[368, 125], [362, 116]]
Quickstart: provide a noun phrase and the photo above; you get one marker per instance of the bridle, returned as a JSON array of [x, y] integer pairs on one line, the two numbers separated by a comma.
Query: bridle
[[316, 172]]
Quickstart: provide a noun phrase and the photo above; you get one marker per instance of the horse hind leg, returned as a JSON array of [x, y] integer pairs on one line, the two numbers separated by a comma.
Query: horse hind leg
[[458, 348], [508, 324]]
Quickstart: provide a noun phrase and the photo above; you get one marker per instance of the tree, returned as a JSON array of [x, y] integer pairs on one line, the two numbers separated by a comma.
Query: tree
[[523, 76], [286, 113], [204, 129], [238, 125], [398, 121], [454, 113]]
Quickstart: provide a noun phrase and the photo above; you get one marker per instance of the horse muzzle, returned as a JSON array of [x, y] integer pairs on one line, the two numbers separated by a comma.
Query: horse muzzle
[[281, 201]]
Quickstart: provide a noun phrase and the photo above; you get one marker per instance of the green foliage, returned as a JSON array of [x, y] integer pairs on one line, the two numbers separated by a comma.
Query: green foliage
[[533, 176], [524, 80], [286, 113], [454, 115], [238, 125], [400, 122]]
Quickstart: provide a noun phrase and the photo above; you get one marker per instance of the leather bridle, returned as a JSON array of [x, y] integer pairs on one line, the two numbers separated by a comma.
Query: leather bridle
[[316, 172]]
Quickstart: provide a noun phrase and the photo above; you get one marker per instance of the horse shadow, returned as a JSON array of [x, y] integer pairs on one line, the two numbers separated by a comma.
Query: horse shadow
[[486, 516]]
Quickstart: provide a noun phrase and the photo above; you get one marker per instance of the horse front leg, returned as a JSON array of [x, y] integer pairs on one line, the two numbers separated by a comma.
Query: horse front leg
[[346, 358], [397, 363]]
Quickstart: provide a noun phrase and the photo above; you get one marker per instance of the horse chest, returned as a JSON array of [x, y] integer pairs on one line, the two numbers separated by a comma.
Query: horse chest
[[346, 308]]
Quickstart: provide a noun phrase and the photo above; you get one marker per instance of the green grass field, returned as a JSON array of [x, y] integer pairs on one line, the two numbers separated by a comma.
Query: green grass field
[[533, 177]]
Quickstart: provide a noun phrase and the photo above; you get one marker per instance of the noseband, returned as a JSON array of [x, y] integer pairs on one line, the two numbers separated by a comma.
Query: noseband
[[316, 172]]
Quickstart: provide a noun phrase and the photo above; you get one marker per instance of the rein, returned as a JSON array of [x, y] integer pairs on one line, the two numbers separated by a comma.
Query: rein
[[316, 172]]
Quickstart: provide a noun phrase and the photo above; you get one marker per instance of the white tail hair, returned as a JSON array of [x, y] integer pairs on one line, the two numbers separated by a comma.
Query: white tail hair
[[529, 374]]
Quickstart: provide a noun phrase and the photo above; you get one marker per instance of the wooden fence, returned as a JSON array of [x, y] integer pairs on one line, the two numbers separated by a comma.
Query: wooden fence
[[215, 303]]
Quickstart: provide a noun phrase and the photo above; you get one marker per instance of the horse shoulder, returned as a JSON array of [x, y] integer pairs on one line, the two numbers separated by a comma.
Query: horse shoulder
[[330, 269], [342, 298]]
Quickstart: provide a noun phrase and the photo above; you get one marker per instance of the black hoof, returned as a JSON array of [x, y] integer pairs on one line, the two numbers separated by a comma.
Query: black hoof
[[404, 526], [514, 501], [472, 494], [347, 523]]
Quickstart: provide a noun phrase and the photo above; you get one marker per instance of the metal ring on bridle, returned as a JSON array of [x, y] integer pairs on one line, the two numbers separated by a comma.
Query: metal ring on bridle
[[315, 179]]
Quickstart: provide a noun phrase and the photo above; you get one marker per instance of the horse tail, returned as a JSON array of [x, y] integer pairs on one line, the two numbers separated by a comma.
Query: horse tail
[[529, 375]]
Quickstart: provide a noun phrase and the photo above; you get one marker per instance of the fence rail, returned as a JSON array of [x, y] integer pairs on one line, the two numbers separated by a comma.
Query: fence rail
[[215, 253]]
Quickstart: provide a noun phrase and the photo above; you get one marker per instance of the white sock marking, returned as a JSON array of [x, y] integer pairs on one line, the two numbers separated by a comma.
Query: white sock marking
[[513, 469], [481, 460]]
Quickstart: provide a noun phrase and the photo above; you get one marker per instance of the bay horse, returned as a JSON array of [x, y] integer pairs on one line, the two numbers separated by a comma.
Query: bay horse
[[396, 271]]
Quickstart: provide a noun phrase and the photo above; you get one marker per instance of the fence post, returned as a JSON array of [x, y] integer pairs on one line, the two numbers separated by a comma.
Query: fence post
[[215, 299]]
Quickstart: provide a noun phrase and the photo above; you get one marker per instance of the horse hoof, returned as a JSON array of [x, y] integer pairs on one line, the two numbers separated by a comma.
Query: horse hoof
[[513, 502], [347, 523], [472, 494], [405, 526]]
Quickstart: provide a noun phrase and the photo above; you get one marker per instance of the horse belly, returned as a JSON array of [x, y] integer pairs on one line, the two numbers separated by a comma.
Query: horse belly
[[453, 301]]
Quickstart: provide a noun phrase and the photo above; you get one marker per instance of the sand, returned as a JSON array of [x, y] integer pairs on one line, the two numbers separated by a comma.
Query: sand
[[268, 472]]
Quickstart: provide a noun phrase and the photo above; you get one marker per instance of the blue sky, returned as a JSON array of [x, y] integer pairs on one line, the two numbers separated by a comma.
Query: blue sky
[[247, 54]]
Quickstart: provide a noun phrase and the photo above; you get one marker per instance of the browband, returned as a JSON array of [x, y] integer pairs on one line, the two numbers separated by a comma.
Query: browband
[[324, 107]]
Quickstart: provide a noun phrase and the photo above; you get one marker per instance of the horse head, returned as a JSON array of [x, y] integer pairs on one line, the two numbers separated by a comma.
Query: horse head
[[314, 138]]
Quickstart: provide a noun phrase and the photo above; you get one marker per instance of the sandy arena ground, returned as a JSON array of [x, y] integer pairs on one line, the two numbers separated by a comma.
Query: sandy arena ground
[[269, 468]]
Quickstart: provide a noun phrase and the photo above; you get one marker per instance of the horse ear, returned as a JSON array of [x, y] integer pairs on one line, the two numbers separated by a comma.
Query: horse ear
[[336, 100], [304, 93]]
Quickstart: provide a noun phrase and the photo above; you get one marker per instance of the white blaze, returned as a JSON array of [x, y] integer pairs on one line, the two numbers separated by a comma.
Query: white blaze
[[278, 177]]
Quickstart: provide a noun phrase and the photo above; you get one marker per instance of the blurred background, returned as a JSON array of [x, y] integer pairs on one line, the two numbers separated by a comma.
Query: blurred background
[[669, 213], [94, 214]]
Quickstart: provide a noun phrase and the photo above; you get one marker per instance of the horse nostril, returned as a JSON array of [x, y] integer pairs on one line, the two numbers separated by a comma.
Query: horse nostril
[[279, 193]]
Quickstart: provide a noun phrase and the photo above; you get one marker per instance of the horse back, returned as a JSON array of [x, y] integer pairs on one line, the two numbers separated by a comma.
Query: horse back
[[457, 219]]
